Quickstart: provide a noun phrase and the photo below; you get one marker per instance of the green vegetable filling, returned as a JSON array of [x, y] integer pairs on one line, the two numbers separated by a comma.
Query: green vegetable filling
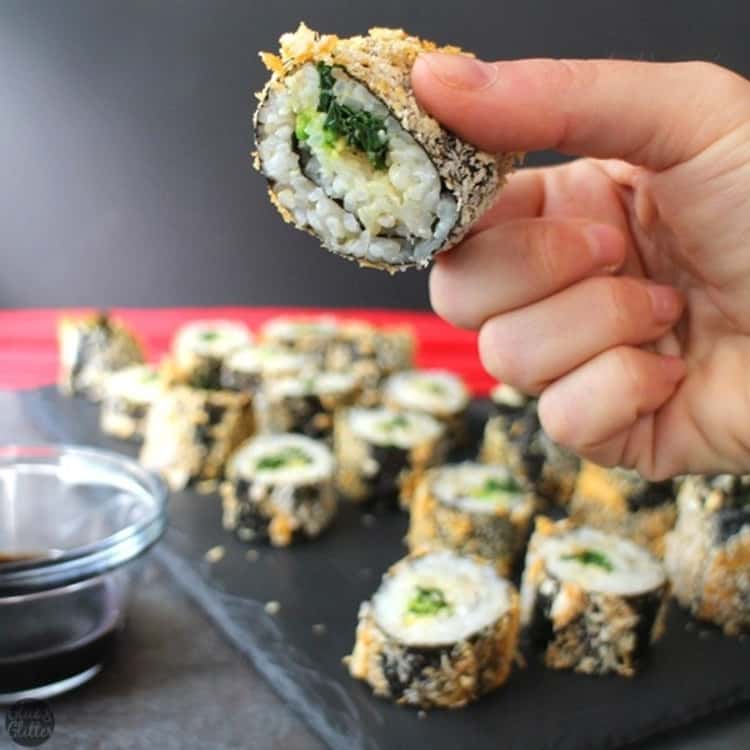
[[493, 487], [591, 557], [428, 601], [361, 130], [395, 423], [209, 335], [431, 386], [284, 459]]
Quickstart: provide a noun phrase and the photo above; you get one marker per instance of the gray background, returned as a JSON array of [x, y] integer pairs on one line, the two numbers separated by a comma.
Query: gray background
[[125, 176]]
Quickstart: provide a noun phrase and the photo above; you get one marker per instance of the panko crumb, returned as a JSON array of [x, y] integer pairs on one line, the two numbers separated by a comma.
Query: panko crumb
[[207, 486], [319, 628], [252, 555], [215, 554], [368, 520], [273, 608], [421, 714]]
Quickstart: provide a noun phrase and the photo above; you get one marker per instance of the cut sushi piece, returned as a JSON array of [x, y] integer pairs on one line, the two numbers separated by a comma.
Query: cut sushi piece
[[305, 403], [439, 393], [514, 437], [381, 454], [396, 349], [248, 368], [593, 602], [128, 395], [279, 488], [623, 502], [200, 348], [303, 334], [472, 509], [356, 350], [352, 159], [190, 433], [708, 553], [441, 631], [91, 347]]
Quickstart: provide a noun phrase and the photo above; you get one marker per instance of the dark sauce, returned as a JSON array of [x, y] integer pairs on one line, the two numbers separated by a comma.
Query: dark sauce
[[47, 639]]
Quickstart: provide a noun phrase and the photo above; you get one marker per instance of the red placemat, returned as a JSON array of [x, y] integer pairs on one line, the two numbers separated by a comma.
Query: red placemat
[[28, 347]]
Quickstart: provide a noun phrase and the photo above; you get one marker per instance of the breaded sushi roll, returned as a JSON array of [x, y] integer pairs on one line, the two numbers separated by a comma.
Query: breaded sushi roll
[[356, 349], [592, 602], [352, 159], [514, 437], [128, 395], [91, 347], [279, 488], [623, 502], [708, 553], [305, 403], [396, 349], [191, 432], [440, 632], [303, 334], [250, 367], [381, 454], [472, 509], [439, 393], [200, 348]]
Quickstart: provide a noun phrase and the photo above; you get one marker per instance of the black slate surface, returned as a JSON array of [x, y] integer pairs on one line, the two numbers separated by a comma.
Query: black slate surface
[[694, 670]]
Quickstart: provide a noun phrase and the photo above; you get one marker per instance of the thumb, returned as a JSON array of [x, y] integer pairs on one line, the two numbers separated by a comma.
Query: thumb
[[652, 114]]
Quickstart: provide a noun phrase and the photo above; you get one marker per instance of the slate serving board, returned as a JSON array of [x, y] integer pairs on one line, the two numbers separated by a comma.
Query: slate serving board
[[694, 670]]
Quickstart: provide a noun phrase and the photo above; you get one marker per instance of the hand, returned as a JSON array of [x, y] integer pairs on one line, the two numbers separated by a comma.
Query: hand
[[616, 286]]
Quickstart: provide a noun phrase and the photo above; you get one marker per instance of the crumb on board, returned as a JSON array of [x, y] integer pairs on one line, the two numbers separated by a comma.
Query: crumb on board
[[368, 520], [421, 714], [319, 628], [273, 607], [215, 554], [252, 555], [365, 572]]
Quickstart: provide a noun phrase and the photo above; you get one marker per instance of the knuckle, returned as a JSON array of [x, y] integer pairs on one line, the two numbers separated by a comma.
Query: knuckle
[[544, 243]]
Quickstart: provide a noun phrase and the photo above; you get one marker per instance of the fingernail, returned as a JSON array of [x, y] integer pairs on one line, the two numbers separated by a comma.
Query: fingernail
[[665, 302], [461, 71], [605, 245]]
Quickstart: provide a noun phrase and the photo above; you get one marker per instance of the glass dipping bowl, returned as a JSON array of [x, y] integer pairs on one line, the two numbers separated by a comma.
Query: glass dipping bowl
[[73, 521]]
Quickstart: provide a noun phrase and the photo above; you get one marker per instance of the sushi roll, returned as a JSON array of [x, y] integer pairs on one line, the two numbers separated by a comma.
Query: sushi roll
[[249, 368], [593, 602], [200, 348], [306, 403], [352, 159], [472, 509], [514, 437], [439, 393], [440, 631], [396, 349], [91, 347], [191, 432], [303, 334], [381, 454], [356, 350], [708, 553], [128, 396], [279, 488], [623, 502]]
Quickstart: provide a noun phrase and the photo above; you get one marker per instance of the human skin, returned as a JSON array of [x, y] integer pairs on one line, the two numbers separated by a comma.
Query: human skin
[[616, 286]]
